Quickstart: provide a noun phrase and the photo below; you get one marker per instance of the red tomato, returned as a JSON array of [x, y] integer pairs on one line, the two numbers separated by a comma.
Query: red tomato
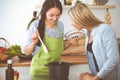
[[3, 50]]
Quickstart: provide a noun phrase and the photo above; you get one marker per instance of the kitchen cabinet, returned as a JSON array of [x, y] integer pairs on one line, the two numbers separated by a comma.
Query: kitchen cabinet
[[20, 65], [74, 73], [23, 71], [23, 66]]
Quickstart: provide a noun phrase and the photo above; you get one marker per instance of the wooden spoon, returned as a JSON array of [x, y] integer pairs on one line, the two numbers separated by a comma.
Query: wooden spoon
[[44, 47]]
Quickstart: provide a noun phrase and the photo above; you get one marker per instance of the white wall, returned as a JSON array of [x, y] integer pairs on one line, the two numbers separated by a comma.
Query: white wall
[[115, 14], [23, 72], [14, 17]]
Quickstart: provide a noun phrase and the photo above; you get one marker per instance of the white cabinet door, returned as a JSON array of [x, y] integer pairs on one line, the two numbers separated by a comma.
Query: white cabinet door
[[75, 71], [23, 72]]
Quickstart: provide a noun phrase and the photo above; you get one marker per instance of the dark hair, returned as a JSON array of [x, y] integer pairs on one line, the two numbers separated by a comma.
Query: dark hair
[[48, 4]]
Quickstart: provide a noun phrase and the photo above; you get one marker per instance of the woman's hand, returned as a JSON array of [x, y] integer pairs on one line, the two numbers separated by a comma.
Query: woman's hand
[[74, 40], [35, 37], [28, 49], [82, 75], [88, 76]]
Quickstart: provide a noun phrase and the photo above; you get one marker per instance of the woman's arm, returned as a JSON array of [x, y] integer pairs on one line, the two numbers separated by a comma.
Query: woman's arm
[[28, 49], [112, 54], [32, 39]]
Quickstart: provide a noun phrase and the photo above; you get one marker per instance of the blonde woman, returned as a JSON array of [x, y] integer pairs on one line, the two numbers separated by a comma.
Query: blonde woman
[[101, 44]]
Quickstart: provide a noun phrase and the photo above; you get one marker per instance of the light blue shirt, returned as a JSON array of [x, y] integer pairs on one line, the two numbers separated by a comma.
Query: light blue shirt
[[105, 49], [30, 32]]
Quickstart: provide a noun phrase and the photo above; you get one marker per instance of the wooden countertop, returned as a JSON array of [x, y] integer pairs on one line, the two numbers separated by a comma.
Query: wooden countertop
[[74, 59], [17, 62], [77, 59]]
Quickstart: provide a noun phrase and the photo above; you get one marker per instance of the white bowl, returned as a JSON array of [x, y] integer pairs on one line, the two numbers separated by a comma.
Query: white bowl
[[73, 34]]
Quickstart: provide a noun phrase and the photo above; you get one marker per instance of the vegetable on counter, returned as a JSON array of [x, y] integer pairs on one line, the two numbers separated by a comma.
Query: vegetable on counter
[[3, 50], [14, 50]]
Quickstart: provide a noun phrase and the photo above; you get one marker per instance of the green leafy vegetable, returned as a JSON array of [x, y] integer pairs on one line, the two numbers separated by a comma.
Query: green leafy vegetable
[[14, 50]]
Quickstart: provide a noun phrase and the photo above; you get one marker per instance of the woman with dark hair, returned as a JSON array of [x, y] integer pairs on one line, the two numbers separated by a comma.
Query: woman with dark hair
[[101, 44], [51, 32]]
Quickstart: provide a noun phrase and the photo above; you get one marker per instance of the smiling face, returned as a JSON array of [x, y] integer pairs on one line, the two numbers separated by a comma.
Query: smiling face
[[52, 16]]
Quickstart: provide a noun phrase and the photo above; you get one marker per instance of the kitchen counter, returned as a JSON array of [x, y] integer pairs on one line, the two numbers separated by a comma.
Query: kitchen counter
[[74, 59], [23, 66], [78, 59], [17, 62]]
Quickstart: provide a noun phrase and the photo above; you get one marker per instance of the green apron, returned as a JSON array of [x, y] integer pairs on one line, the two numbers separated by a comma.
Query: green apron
[[40, 59]]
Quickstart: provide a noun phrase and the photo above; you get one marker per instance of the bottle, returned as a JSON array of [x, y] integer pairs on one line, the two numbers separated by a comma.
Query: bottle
[[74, 2], [16, 75], [95, 2], [9, 71]]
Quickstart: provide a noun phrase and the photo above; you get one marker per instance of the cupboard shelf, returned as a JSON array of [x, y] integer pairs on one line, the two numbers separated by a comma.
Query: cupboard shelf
[[90, 6], [102, 6], [94, 7]]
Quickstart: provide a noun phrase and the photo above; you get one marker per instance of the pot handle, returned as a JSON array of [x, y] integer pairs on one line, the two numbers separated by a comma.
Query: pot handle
[[46, 64]]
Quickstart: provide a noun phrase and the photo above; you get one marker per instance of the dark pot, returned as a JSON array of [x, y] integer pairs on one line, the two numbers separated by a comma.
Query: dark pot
[[25, 57], [58, 70]]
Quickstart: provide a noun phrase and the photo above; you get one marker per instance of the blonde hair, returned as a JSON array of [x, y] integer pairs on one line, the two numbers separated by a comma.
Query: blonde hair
[[82, 15]]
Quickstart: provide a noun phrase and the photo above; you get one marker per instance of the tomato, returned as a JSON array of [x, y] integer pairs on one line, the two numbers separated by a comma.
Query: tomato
[[3, 50]]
